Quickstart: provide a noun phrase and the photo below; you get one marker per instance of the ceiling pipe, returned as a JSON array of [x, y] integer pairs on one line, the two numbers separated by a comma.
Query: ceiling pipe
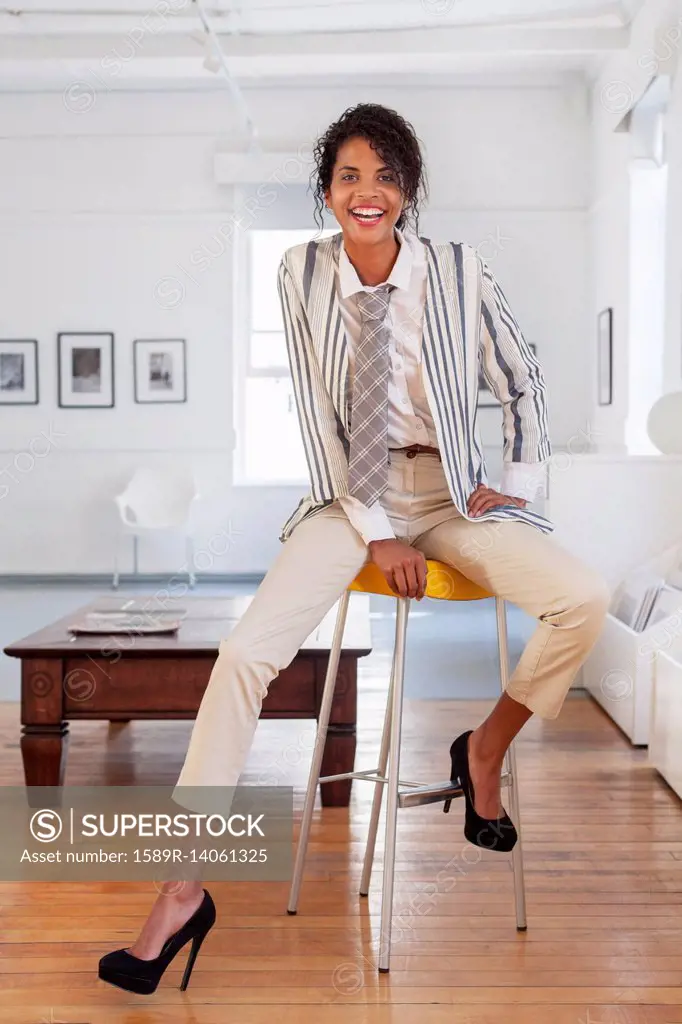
[[215, 61]]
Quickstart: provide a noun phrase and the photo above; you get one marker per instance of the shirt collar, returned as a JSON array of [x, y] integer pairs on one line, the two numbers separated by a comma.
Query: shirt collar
[[400, 275]]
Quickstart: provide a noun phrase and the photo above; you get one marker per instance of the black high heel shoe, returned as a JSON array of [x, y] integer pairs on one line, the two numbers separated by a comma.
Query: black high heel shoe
[[126, 971], [488, 833]]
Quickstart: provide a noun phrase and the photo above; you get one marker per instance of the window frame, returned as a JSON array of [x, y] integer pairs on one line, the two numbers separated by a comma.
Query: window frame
[[242, 361]]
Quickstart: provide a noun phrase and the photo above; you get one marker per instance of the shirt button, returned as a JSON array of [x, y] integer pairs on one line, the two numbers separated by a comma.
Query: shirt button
[[398, 366], [404, 401]]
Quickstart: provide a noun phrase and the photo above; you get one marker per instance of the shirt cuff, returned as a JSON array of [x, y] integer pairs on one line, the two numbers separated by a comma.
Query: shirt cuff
[[524, 479], [371, 522]]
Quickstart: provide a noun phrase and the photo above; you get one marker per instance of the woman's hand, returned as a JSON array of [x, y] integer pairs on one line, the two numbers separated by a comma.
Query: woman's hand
[[485, 498], [404, 567]]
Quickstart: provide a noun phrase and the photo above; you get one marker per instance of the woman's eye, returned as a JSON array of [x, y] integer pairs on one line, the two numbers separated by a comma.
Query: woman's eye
[[383, 177]]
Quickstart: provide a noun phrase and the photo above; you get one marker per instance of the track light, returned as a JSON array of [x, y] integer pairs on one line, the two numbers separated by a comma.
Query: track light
[[212, 59]]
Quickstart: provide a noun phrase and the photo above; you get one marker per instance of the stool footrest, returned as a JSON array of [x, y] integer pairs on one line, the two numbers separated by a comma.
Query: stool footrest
[[437, 791], [434, 793], [417, 794], [369, 776]]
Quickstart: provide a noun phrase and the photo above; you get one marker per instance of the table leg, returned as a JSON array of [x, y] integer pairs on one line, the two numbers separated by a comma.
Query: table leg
[[43, 750], [338, 757], [44, 738], [339, 749]]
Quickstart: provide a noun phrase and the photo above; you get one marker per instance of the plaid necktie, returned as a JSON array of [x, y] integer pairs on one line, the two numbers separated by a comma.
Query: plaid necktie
[[368, 457]]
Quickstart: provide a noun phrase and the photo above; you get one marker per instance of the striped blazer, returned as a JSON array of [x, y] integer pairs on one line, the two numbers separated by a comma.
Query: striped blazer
[[467, 323]]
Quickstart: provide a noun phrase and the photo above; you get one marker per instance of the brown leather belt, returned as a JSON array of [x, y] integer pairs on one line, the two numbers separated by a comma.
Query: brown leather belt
[[417, 449]]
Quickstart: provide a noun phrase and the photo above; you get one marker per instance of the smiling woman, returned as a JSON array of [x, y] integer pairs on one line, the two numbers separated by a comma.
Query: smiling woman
[[370, 154], [385, 332]]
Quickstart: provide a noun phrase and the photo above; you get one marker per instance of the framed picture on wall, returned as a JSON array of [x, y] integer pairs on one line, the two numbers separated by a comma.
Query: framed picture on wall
[[486, 397], [85, 370], [605, 356], [18, 372], [159, 367]]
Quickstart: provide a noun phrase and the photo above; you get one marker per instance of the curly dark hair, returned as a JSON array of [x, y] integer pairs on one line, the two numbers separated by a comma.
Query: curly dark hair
[[392, 137]]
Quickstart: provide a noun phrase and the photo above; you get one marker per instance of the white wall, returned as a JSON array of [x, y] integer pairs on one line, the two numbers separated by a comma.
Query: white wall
[[654, 51], [97, 208], [615, 511]]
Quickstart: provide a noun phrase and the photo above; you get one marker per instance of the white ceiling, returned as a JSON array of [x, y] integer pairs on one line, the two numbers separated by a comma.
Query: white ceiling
[[149, 43]]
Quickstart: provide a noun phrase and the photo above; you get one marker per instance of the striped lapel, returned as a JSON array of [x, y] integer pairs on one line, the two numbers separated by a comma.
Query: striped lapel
[[444, 361], [326, 323]]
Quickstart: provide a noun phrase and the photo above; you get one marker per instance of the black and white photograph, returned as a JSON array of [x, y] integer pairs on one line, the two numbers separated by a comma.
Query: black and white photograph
[[486, 397], [86, 370], [159, 369], [18, 372], [605, 357]]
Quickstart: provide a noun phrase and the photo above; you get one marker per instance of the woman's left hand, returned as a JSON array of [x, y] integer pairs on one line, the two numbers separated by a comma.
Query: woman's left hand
[[485, 498]]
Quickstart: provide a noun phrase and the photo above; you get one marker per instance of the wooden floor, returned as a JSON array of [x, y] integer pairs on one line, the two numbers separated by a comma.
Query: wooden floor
[[603, 848]]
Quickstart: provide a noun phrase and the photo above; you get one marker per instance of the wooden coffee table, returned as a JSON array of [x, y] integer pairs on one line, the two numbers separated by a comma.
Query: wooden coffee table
[[66, 678]]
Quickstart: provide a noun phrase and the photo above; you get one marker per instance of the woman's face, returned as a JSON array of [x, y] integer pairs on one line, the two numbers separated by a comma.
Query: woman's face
[[364, 193]]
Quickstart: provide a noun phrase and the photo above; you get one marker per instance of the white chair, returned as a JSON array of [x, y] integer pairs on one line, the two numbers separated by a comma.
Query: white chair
[[443, 583], [156, 500]]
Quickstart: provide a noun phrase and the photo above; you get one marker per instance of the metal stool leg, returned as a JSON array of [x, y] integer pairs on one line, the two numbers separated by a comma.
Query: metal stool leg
[[378, 790], [318, 751], [517, 852], [510, 758], [398, 675]]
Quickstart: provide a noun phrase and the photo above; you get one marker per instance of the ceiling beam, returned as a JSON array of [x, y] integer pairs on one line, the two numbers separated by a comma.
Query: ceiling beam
[[455, 39], [392, 42], [303, 18]]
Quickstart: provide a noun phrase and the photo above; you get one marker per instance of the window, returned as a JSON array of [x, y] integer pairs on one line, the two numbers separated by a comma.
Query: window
[[269, 445]]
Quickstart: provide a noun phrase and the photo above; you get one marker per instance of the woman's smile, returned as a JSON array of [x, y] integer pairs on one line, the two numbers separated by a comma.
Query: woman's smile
[[368, 216]]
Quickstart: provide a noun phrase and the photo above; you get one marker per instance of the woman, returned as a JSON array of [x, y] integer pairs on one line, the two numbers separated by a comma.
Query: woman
[[386, 334]]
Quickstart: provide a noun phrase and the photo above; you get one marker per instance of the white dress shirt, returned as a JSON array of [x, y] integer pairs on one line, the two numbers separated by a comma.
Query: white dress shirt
[[409, 417]]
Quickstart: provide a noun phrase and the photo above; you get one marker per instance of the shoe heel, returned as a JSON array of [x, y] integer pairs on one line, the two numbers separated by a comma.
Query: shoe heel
[[193, 953]]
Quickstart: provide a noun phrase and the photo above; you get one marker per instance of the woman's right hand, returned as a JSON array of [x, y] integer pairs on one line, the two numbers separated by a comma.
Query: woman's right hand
[[403, 567]]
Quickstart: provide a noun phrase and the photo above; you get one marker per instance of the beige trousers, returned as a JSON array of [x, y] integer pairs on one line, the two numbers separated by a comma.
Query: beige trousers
[[321, 558]]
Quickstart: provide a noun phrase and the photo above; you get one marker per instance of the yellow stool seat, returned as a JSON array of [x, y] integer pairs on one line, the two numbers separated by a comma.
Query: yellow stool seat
[[442, 582]]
